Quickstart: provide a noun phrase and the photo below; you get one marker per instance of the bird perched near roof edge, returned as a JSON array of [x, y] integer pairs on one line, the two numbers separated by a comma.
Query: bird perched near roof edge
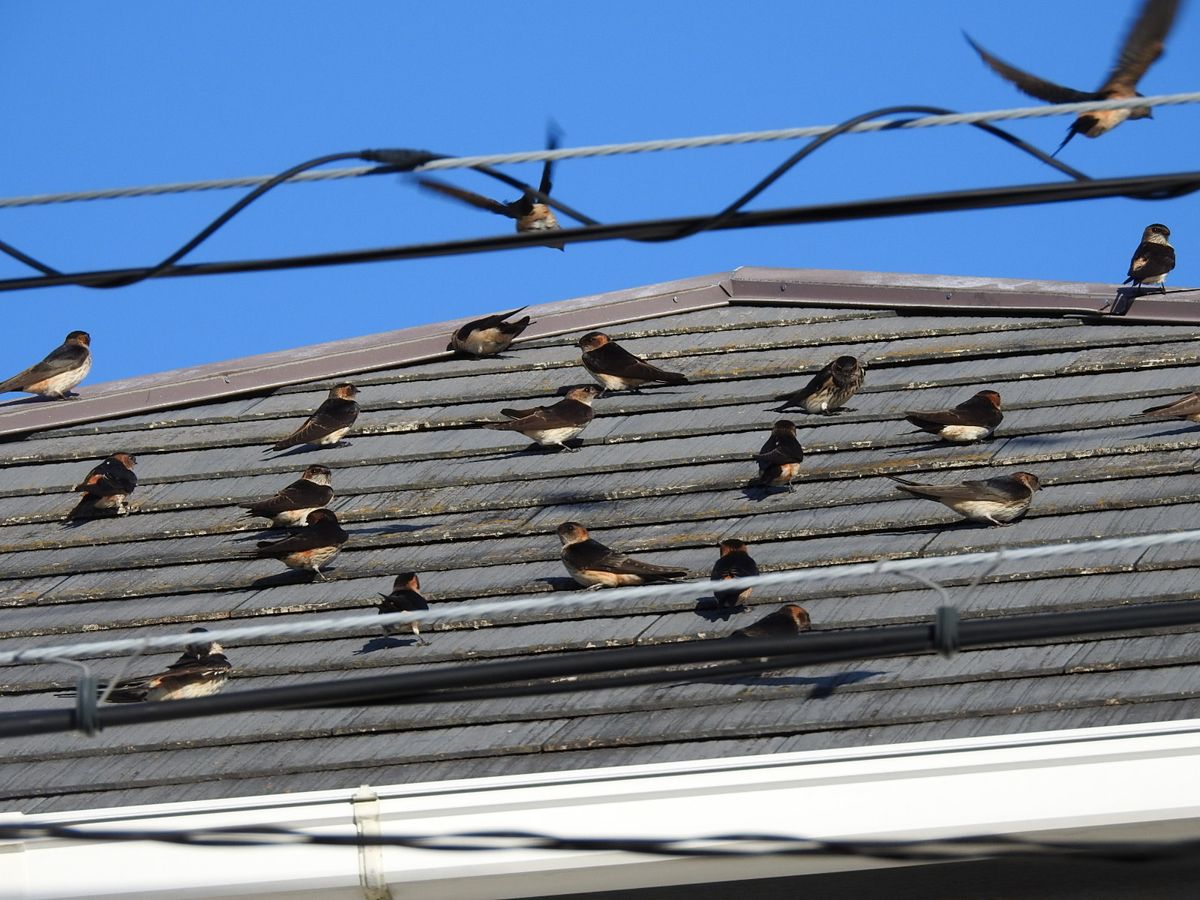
[[616, 368], [329, 424], [488, 336], [1153, 258], [54, 377]]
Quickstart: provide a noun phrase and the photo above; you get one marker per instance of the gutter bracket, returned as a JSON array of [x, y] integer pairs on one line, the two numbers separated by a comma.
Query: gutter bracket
[[365, 806]]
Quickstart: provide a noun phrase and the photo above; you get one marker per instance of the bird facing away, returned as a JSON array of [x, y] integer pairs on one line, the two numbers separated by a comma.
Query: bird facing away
[[616, 368], [53, 378], [106, 489], [202, 670], [595, 566], [787, 621], [734, 562], [311, 547], [780, 457], [994, 501], [1142, 46], [292, 505], [552, 426], [1153, 258], [405, 597], [829, 389], [329, 423], [971, 420], [1187, 408], [489, 335], [530, 213]]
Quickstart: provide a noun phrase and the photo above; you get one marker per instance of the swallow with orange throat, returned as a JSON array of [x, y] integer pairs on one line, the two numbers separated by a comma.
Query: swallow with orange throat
[[787, 621], [619, 370], [488, 336], [552, 426], [55, 376], [734, 562], [405, 597], [992, 501], [972, 420], [311, 547], [292, 505], [595, 566], [529, 211], [1142, 46], [780, 457], [201, 671], [106, 489], [329, 424], [829, 389], [1153, 258]]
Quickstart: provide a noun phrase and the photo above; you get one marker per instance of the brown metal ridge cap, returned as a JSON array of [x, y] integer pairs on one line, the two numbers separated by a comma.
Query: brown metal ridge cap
[[337, 359]]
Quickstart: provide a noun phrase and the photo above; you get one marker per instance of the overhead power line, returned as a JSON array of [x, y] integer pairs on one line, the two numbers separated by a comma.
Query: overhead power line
[[631, 147]]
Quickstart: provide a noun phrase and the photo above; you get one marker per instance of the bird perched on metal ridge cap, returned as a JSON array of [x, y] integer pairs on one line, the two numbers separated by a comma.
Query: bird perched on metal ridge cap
[[488, 336], [62, 369]]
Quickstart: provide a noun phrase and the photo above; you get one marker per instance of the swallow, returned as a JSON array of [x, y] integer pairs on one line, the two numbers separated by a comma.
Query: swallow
[[734, 562], [530, 213], [1187, 408], [53, 378], [489, 335], [405, 597], [311, 547], [106, 489], [292, 505], [971, 420], [616, 368], [1143, 45], [329, 423], [780, 457], [552, 426], [829, 389], [787, 621], [595, 566], [994, 501], [1153, 258], [202, 670]]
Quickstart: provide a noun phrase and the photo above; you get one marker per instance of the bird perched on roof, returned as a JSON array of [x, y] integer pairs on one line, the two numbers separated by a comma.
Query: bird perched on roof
[[972, 420], [530, 213], [489, 335], [829, 389], [405, 597], [292, 505], [734, 562], [994, 501], [780, 457], [595, 566], [202, 670], [329, 424], [616, 368], [1187, 408], [311, 547], [552, 426], [106, 489], [1153, 258], [52, 378], [1143, 45], [787, 621]]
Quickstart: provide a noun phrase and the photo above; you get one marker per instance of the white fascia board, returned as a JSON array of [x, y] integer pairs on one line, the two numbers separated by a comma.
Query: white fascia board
[[1101, 778]]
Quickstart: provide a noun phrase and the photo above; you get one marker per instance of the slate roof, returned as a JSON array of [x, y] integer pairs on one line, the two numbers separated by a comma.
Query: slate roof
[[660, 474]]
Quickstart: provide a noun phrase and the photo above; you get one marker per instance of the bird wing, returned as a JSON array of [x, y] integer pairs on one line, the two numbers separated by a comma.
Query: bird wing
[[594, 556], [564, 414], [308, 539], [469, 197], [300, 494], [1000, 489], [552, 136], [1185, 406], [63, 358], [496, 321], [613, 359], [402, 601], [821, 381], [1027, 83], [1143, 44], [779, 450], [107, 479], [734, 565], [1151, 258], [332, 415]]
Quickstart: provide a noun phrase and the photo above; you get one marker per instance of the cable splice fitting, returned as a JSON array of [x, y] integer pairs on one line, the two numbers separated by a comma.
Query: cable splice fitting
[[945, 631], [86, 713], [402, 159]]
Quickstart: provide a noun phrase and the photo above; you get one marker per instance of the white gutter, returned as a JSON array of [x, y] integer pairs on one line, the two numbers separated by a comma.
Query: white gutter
[[1099, 778]]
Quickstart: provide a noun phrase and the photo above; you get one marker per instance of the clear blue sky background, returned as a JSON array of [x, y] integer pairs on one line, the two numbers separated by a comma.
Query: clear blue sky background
[[103, 95]]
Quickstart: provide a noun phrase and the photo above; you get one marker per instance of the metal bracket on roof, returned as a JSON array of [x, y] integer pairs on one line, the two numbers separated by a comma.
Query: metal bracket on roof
[[1121, 302], [365, 804]]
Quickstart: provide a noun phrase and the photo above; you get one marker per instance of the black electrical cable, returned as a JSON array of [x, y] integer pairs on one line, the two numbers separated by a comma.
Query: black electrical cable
[[767, 653], [1142, 187]]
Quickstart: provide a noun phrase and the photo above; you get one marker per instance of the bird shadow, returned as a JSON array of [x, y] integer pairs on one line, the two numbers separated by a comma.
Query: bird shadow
[[395, 528], [758, 493], [707, 609], [530, 451], [930, 446], [1174, 432], [383, 643], [292, 576], [562, 584], [823, 686], [305, 449], [25, 401]]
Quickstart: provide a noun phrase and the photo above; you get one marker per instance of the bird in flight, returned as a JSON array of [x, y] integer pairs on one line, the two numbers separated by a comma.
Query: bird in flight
[[1143, 45]]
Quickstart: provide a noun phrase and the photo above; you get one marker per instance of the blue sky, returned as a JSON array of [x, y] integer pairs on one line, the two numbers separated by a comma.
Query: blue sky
[[107, 95]]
